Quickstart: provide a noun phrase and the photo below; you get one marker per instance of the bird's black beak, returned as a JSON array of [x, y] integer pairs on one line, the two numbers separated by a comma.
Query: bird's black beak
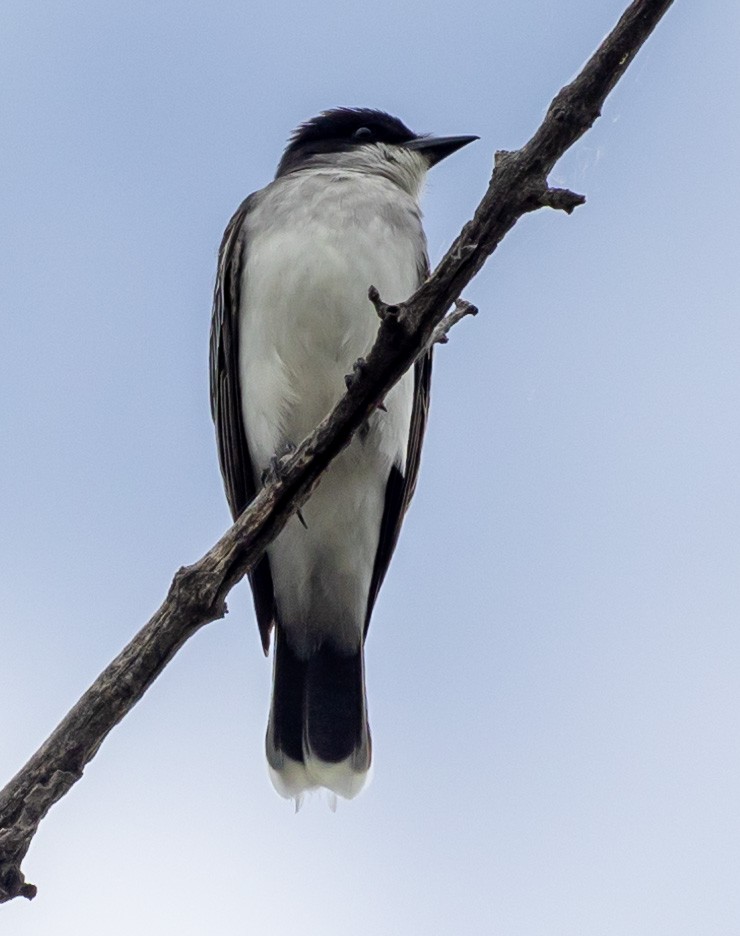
[[438, 148]]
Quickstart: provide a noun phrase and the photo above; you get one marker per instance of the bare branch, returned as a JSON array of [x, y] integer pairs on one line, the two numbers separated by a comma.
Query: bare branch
[[385, 312], [561, 199], [198, 592], [462, 308]]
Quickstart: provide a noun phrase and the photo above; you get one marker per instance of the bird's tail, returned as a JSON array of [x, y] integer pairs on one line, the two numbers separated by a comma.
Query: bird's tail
[[318, 735]]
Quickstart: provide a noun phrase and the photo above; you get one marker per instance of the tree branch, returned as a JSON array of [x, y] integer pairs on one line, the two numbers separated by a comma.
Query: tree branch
[[198, 592]]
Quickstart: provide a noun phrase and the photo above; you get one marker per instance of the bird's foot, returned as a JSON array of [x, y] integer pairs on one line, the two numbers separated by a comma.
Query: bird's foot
[[274, 471], [357, 370]]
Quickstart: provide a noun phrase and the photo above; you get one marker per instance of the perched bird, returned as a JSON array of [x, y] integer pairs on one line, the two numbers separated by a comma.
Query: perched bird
[[291, 315]]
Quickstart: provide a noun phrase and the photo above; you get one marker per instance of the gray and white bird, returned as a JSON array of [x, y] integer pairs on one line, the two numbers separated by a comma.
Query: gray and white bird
[[291, 315]]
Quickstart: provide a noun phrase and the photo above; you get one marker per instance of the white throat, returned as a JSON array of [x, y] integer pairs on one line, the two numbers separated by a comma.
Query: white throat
[[405, 167]]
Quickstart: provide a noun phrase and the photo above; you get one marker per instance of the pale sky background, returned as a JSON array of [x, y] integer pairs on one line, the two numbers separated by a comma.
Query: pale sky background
[[553, 663]]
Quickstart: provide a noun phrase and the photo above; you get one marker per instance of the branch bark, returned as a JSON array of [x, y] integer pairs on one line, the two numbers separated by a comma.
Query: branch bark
[[198, 592]]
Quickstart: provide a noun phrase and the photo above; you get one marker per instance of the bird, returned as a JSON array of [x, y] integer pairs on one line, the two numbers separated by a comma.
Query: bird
[[291, 315]]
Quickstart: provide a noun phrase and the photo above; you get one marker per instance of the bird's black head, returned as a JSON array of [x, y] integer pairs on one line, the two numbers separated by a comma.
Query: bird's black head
[[339, 130]]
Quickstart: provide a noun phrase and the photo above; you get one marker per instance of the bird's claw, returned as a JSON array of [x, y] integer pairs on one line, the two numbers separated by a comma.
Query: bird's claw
[[274, 471], [357, 369]]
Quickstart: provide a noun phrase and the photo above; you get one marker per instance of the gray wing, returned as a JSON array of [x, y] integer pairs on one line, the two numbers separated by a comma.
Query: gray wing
[[401, 485], [226, 408]]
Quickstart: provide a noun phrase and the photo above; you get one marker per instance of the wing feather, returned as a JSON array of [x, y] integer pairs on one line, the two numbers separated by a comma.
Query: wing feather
[[402, 484], [226, 407]]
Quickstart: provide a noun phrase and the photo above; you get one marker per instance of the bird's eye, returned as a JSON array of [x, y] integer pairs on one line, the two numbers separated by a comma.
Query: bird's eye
[[363, 135]]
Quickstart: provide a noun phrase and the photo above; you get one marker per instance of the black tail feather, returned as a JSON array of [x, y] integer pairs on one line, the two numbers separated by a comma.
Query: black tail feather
[[285, 731], [336, 715], [318, 707]]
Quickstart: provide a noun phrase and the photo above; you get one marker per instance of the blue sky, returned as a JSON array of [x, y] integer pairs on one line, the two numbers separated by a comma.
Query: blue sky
[[553, 662]]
